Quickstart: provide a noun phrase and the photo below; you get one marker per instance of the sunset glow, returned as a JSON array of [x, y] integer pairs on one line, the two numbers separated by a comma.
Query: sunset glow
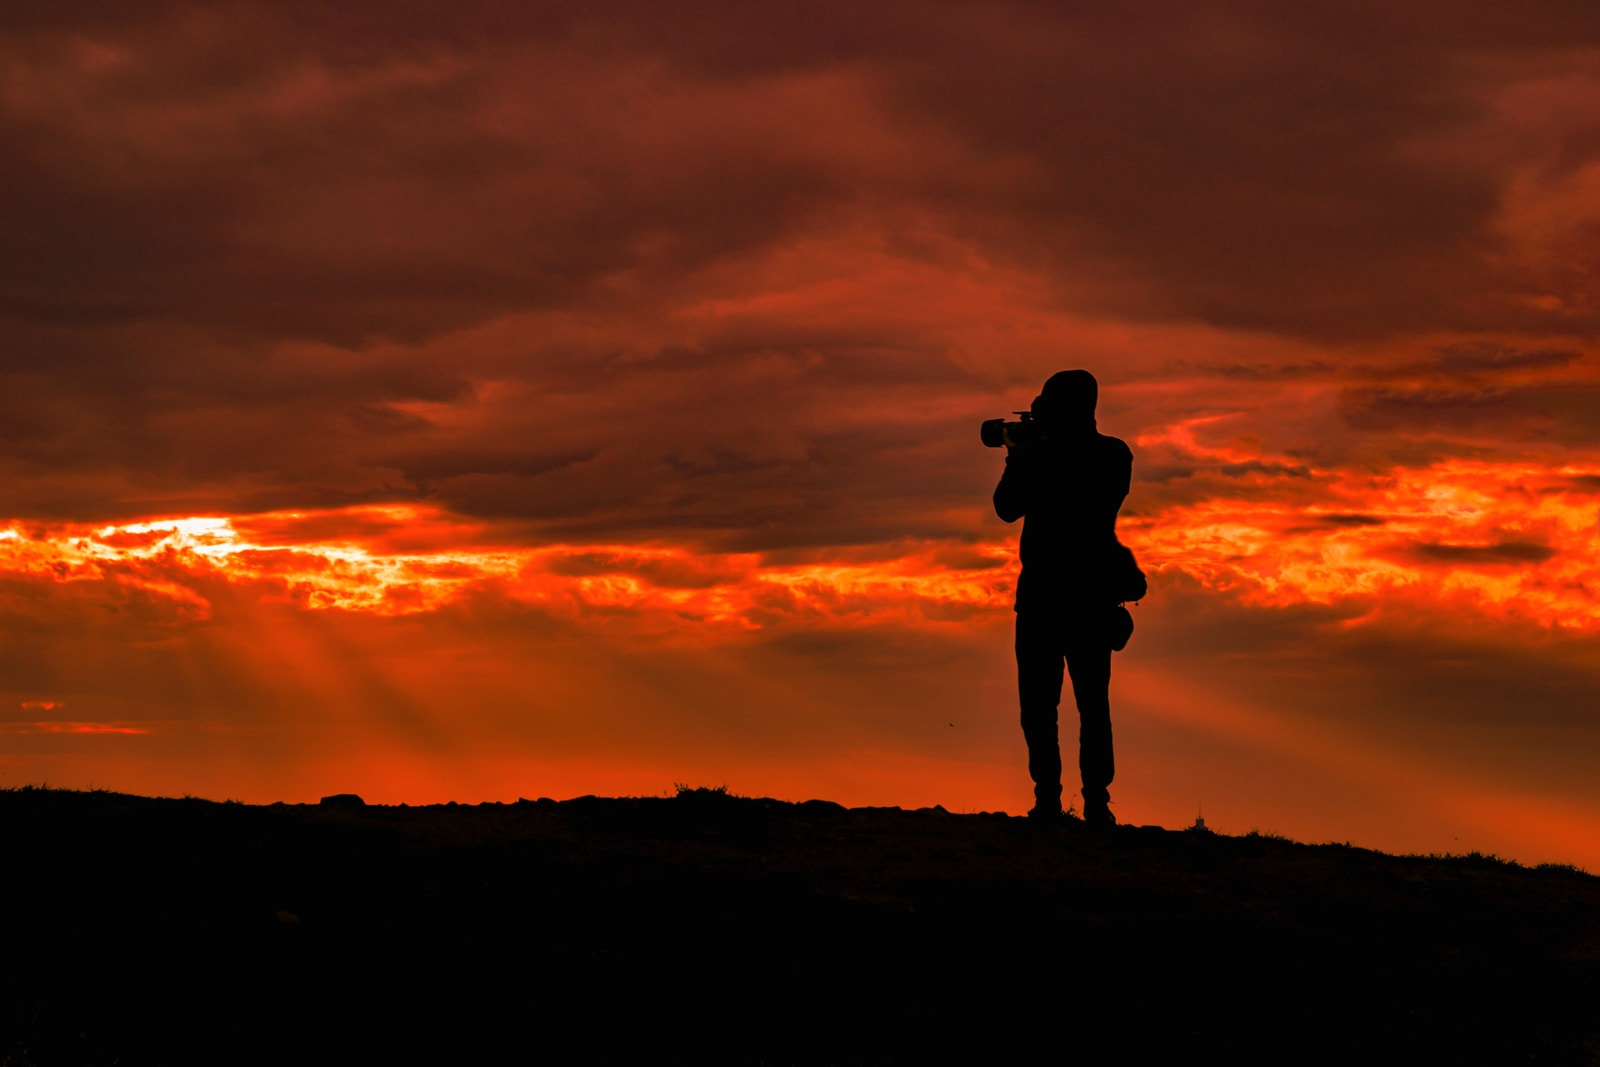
[[468, 404], [1497, 539]]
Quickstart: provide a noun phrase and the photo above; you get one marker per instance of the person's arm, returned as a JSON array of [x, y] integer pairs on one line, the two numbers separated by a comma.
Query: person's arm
[[1011, 495], [1124, 478]]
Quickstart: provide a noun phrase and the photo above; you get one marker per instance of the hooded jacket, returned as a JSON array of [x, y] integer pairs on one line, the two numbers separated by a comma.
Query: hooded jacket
[[1067, 489]]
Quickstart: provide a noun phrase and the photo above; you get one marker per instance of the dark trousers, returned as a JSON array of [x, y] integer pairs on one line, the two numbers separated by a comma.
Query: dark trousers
[[1078, 640]]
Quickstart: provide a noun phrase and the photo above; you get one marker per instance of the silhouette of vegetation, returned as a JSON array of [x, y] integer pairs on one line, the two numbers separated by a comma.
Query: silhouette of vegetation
[[683, 790], [1265, 835], [1562, 868]]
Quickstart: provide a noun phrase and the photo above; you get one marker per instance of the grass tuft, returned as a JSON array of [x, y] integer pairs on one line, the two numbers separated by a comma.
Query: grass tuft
[[1267, 835], [1562, 868], [1483, 859], [703, 791]]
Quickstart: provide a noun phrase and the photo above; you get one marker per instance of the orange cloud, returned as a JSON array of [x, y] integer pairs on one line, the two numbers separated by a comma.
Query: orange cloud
[[160, 556], [1503, 539]]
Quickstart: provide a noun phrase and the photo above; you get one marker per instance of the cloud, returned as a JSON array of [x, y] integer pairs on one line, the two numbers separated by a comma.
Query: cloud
[[1351, 520], [1501, 552], [747, 278], [1557, 412], [1470, 357]]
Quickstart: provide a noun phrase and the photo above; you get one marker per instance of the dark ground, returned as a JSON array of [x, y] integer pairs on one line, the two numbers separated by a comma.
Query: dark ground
[[710, 928]]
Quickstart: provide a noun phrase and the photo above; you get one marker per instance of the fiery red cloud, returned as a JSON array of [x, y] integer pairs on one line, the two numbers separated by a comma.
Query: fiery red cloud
[[487, 400], [1500, 539]]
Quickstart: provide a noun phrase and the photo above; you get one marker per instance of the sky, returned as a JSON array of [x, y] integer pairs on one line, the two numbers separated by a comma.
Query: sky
[[479, 400]]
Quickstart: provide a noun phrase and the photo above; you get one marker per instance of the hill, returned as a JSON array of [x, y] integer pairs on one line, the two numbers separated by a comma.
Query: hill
[[708, 927]]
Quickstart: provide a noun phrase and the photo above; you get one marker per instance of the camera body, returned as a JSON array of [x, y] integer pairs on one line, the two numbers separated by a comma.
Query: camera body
[[998, 433]]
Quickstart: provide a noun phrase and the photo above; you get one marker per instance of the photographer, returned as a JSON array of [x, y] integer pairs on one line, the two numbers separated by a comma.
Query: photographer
[[1069, 481]]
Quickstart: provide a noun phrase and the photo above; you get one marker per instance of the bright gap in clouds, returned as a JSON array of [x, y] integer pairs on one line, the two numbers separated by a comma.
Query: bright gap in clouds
[[1501, 539]]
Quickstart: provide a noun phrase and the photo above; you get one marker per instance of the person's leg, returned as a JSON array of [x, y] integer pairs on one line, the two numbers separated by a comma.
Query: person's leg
[[1039, 677], [1089, 661]]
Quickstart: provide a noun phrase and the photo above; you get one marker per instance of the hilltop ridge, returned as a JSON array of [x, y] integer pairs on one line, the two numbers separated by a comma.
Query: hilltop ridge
[[712, 927]]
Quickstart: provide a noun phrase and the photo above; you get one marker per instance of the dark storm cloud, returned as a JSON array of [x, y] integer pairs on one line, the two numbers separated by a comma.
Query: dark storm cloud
[[749, 478], [1351, 520], [1259, 372], [1563, 412], [300, 255], [1498, 554], [1338, 522], [1388, 409], [1158, 473], [1467, 366], [339, 204], [1471, 357], [289, 170]]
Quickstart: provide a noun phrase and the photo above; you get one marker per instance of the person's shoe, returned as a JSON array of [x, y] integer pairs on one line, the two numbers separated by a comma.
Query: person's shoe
[[1046, 812], [1098, 815]]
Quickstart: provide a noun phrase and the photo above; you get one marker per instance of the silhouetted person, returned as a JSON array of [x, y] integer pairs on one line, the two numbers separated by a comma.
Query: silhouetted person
[[1069, 482]]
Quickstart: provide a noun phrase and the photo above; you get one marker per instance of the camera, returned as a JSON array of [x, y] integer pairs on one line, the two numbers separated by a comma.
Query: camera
[[998, 432]]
